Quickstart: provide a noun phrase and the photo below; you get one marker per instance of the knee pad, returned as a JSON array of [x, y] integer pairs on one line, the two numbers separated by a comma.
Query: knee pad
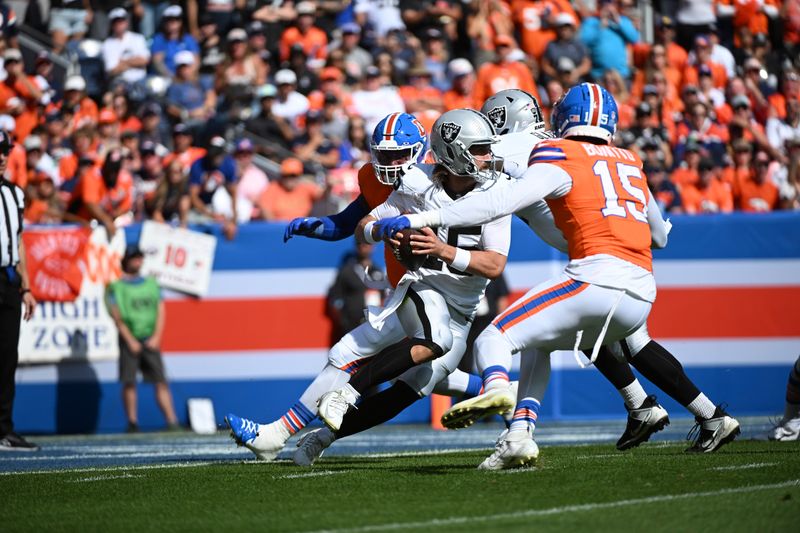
[[419, 378], [636, 341]]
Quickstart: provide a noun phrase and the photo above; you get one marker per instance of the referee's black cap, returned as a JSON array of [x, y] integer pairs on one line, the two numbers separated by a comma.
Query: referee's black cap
[[5, 142]]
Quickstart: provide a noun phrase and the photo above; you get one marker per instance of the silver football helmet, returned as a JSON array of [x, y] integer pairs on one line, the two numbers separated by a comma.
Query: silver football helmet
[[512, 110], [459, 136]]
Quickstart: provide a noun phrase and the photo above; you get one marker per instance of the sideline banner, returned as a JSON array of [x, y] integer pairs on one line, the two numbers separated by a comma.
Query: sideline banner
[[69, 323], [180, 259]]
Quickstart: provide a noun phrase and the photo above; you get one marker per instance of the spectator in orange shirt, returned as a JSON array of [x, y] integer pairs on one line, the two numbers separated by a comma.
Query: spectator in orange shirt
[[502, 73], [459, 96], [289, 197], [536, 21], [128, 121], [687, 172], [656, 63], [702, 53], [103, 195], [82, 108], [700, 126], [28, 159], [744, 126], [735, 174], [20, 96], [665, 35], [330, 82], [419, 95], [82, 146], [45, 207], [313, 39], [184, 152], [709, 195], [756, 193], [614, 83]]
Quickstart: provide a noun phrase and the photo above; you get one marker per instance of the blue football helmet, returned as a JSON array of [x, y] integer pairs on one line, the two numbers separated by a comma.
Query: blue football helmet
[[399, 141], [586, 110]]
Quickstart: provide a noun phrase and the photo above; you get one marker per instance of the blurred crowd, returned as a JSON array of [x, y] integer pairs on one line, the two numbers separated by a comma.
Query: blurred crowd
[[238, 110]]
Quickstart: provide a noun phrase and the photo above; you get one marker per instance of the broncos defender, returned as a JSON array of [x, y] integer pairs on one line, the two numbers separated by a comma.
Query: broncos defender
[[436, 303], [599, 200], [398, 142], [518, 118]]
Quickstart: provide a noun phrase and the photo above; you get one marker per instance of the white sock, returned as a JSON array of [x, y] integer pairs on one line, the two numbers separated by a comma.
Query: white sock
[[493, 357], [330, 378], [702, 407], [633, 394]]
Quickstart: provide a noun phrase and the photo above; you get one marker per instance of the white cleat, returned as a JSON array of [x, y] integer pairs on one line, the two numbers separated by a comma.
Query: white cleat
[[312, 445], [786, 430], [714, 432], [335, 404], [515, 450], [493, 402], [264, 440]]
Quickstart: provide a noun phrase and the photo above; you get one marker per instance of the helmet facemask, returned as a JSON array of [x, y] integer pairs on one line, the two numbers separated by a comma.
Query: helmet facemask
[[385, 156], [464, 163]]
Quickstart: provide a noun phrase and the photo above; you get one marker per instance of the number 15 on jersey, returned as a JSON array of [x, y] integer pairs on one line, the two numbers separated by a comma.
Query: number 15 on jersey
[[636, 208]]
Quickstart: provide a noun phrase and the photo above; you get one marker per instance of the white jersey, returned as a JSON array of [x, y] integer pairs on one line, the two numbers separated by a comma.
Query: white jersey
[[417, 193], [515, 149]]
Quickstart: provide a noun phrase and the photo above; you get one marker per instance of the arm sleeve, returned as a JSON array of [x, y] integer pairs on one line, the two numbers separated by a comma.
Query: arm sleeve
[[390, 208], [342, 224], [540, 181], [659, 228], [196, 173], [539, 218], [496, 236]]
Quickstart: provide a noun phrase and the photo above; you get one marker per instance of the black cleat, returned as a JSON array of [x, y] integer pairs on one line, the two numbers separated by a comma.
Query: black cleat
[[16, 443], [643, 422]]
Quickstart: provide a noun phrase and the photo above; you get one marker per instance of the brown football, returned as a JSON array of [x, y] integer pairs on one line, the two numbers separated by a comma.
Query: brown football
[[404, 253]]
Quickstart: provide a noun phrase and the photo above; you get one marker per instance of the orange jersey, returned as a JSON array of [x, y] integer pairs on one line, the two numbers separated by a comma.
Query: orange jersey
[[605, 211], [494, 77], [716, 197], [533, 21], [91, 189], [314, 42], [375, 193]]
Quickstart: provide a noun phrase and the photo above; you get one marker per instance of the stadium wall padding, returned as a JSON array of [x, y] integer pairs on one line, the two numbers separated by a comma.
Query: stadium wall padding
[[728, 307]]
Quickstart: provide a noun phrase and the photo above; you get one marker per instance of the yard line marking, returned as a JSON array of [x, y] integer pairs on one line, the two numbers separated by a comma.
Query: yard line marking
[[519, 470], [312, 474], [115, 468], [601, 456], [456, 520], [743, 467], [422, 453], [103, 478]]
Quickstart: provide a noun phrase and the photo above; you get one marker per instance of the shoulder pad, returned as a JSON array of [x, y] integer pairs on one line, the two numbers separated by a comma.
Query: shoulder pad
[[417, 178]]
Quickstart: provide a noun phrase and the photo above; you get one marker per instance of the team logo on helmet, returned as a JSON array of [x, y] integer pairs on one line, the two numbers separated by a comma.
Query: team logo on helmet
[[498, 116], [449, 131]]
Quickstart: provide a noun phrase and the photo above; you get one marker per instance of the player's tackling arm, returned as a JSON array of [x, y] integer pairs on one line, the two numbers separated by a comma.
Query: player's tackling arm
[[331, 228], [659, 228], [540, 181], [366, 232]]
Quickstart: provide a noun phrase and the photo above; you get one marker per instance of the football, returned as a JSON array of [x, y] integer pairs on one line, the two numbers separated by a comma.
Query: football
[[404, 252]]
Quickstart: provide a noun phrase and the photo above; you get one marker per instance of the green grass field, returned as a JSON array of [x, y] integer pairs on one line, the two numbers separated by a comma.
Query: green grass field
[[747, 486]]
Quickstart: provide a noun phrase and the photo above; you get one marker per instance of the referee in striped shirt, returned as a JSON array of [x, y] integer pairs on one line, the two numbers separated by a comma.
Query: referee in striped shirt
[[14, 293]]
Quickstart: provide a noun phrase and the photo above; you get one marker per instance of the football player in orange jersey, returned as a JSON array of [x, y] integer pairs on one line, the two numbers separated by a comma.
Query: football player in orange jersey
[[600, 202], [398, 142]]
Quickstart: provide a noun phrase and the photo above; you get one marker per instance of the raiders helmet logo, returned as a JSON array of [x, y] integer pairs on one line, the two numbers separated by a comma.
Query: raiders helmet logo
[[449, 131], [498, 117]]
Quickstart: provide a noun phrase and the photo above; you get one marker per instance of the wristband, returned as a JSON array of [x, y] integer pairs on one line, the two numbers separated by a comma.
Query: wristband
[[368, 232], [461, 260]]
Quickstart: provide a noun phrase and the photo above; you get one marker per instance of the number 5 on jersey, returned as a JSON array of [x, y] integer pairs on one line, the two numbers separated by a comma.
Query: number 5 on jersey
[[636, 208]]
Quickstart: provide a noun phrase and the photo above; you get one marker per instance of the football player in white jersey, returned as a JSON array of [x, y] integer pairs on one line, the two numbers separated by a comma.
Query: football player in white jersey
[[436, 303]]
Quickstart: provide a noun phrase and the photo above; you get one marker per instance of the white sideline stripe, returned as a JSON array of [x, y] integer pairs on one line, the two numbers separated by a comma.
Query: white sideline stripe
[[602, 456], [104, 478], [423, 453], [742, 467], [314, 282], [90, 469], [312, 474], [518, 470], [456, 520], [306, 364]]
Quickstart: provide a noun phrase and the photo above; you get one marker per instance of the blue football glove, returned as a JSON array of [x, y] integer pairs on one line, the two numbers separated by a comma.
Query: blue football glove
[[301, 226], [387, 227]]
